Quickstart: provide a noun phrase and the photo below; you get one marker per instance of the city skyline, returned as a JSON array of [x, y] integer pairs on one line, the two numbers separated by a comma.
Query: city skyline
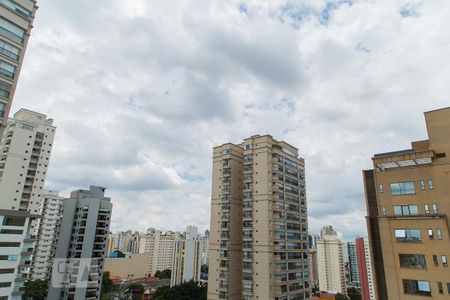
[[167, 108]]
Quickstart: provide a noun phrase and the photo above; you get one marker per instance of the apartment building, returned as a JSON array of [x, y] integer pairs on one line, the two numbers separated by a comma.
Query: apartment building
[[78, 264], [407, 199], [190, 257], [131, 266], [352, 264], [330, 261], [160, 247], [259, 235], [25, 151], [16, 248], [46, 232], [16, 22], [365, 269]]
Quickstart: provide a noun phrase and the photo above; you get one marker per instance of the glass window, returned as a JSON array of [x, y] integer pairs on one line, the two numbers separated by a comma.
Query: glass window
[[426, 208], [11, 31], [7, 69], [16, 7], [397, 210], [9, 50], [403, 188], [408, 235], [444, 260], [435, 261], [439, 233], [434, 207], [440, 289], [422, 184], [430, 233], [416, 287], [412, 261], [448, 288], [383, 210], [430, 183], [14, 221], [380, 188], [406, 210]]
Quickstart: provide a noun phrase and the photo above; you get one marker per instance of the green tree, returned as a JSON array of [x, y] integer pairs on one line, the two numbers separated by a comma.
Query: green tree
[[107, 284], [354, 293], [36, 289], [163, 274], [190, 290], [135, 288], [340, 296]]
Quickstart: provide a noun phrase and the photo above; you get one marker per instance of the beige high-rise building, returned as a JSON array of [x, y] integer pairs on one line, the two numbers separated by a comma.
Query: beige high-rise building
[[25, 151], [160, 247], [16, 22], [330, 261], [407, 197], [259, 236]]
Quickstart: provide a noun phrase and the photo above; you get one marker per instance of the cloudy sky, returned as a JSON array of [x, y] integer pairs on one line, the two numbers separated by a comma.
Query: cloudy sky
[[142, 90]]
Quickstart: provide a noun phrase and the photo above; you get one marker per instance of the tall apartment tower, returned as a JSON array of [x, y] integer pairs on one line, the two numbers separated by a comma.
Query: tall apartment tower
[[16, 22], [16, 248], [365, 269], [407, 199], [46, 232], [330, 260], [78, 263], [353, 264], [160, 247], [25, 153], [259, 235], [189, 257]]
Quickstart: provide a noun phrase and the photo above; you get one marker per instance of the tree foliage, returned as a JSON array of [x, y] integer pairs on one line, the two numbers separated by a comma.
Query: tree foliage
[[354, 293], [190, 290], [340, 296], [107, 284], [36, 289], [163, 274]]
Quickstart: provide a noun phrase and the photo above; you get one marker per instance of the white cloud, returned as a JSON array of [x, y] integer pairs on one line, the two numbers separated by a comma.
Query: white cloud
[[141, 92]]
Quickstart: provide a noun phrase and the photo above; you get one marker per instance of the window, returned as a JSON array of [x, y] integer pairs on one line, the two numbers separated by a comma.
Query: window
[[426, 208], [408, 235], [7, 69], [416, 287], [380, 188], [16, 7], [9, 244], [248, 146], [11, 31], [439, 233], [422, 184], [5, 284], [9, 50], [434, 207], [412, 261], [405, 210], [448, 288], [430, 233], [435, 261], [403, 188], [383, 210], [11, 231], [7, 271], [430, 183], [440, 289], [14, 221], [444, 261], [9, 257]]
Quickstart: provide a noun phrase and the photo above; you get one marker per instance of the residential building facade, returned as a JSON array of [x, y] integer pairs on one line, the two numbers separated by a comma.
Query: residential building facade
[[365, 269], [46, 232], [259, 237], [16, 248], [160, 247], [352, 264], [78, 264], [132, 266], [25, 154], [330, 261], [407, 199], [190, 256], [16, 22]]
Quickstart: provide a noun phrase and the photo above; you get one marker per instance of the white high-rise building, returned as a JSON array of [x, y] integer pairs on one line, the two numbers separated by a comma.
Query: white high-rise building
[[330, 261], [46, 233], [190, 255], [16, 247], [79, 256], [160, 247], [25, 151]]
